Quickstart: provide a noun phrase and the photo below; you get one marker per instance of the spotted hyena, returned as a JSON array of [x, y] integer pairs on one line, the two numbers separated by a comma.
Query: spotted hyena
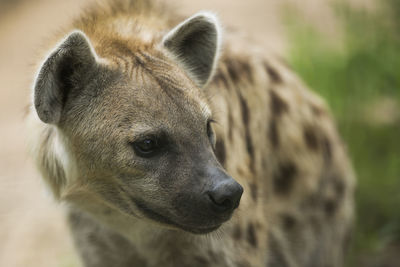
[[153, 131]]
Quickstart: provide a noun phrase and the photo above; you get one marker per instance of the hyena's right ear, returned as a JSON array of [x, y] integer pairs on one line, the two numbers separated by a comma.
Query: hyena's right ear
[[59, 73], [195, 43]]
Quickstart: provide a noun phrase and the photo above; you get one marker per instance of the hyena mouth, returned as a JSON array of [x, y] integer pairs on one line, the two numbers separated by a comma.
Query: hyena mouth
[[155, 216]]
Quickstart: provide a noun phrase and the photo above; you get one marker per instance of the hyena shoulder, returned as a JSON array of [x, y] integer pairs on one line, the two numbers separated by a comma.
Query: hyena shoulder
[[278, 138]]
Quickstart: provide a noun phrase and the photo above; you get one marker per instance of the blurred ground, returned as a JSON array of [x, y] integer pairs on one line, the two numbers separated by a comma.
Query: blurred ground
[[32, 229]]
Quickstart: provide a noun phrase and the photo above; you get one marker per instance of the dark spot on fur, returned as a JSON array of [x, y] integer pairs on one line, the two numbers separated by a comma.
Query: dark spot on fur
[[238, 68], [253, 191], [246, 120], [250, 150], [246, 69], [273, 74], [327, 149], [251, 235], [334, 181], [245, 110], [339, 187], [330, 206], [220, 79], [284, 177], [233, 72], [220, 151], [273, 133], [241, 172], [310, 137], [278, 105], [237, 232], [288, 221], [74, 219], [318, 111], [230, 126]]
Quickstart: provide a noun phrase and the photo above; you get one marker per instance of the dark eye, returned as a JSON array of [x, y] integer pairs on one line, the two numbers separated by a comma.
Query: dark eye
[[146, 147], [210, 133]]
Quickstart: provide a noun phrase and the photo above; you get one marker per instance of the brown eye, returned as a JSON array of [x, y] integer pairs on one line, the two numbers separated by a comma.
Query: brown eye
[[210, 133], [209, 130], [147, 147]]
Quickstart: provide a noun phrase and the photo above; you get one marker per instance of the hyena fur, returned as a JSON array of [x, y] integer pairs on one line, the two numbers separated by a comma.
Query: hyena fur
[[152, 130]]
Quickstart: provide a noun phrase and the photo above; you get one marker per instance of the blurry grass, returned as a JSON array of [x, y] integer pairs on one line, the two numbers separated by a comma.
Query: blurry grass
[[354, 75]]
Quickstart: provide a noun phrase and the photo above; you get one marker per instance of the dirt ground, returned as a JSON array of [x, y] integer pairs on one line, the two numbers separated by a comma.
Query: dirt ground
[[32, 228]]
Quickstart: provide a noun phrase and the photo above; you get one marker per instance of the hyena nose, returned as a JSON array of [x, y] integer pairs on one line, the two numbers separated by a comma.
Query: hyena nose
[[225, 196]]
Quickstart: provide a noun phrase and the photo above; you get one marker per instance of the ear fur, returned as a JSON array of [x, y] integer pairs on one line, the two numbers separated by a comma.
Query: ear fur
[[67, 62], [195, 43]]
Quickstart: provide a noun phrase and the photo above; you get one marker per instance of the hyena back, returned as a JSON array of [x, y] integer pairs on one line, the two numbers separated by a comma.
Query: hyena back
[[153, 138]]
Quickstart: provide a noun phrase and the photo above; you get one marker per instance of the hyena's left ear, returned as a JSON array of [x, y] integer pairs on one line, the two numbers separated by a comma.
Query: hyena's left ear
[[195, 43], [65, 67]]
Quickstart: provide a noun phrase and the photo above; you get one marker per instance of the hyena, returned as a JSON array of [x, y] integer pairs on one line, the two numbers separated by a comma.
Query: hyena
[[153, 131]]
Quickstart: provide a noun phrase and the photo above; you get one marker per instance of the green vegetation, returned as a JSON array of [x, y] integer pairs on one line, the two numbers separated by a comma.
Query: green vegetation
[[359, 76]]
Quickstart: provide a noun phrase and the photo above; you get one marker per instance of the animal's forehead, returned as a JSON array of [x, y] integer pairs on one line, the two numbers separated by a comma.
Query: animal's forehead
[[149, 65], [153, 87], [156, 93], [160, 101]]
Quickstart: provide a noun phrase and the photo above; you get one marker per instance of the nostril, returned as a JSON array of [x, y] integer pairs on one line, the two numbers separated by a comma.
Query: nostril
[[224, 195], [226, 203], [221, 203]]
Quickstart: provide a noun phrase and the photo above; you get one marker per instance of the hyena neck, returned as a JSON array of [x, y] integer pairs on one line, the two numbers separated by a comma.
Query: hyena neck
[[148, 242]]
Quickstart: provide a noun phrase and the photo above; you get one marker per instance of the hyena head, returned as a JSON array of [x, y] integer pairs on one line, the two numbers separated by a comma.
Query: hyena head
[[135, 122]]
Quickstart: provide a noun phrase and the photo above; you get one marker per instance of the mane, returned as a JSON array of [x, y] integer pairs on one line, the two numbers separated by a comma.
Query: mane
[[97, 15], [112, 8]]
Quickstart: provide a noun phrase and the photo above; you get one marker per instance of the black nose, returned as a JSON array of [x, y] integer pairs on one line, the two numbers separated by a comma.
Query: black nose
[[225, 196]]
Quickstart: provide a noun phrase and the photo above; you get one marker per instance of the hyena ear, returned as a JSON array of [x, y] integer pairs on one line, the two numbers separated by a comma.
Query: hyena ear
[[195, 43], [59, 73]]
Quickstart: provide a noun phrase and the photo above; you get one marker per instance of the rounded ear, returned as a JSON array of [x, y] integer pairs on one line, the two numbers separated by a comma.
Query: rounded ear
[[70, 60], [195, 43]]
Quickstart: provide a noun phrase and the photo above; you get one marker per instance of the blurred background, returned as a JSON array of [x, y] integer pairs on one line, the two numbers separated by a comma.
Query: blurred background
[[347, 51]]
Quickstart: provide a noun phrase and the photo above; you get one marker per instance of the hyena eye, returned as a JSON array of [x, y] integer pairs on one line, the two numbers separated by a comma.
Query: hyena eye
[[210, 133], [146, 147]]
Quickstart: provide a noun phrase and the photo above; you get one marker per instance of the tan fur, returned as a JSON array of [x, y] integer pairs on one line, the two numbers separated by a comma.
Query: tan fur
[[274, 136]]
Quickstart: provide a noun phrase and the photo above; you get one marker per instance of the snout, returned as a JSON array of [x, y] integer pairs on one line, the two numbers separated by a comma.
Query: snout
[[208, 202], [225, 196], [225, 193]]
